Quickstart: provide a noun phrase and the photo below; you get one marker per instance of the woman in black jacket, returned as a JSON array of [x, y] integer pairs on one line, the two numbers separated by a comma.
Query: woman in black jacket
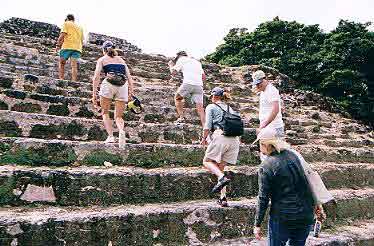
[[282, 180]]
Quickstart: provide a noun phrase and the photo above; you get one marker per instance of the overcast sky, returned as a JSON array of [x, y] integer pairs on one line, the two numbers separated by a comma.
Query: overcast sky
[[197, 26]]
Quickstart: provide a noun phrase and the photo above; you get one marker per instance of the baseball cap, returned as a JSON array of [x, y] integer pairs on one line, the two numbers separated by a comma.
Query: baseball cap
[[257, 77], [107, 44], [217, 91]]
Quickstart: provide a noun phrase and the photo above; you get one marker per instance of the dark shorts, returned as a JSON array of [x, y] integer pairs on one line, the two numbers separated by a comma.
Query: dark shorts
[[66, 54]]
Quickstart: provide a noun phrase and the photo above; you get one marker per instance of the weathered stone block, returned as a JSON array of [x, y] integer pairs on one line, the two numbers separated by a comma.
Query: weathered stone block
[[10, 129], [27, 107], [96, 133], [6, 82], [15, 94], [97, 158], [58, 109], [3, 106], [154, 118], [51, 154], [149, 136]]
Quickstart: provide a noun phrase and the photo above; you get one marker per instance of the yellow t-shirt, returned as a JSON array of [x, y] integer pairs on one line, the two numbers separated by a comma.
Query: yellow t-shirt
[[74, 36]]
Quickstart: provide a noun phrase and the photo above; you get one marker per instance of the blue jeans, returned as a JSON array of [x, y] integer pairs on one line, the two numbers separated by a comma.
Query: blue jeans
[[280, 234]]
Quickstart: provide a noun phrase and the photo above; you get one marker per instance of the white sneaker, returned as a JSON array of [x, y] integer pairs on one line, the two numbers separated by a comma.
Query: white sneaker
[[122, 139], [110, 139]]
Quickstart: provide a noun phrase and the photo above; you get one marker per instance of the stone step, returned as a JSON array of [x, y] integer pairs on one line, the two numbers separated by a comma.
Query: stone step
[[82, 107], [195, 222], [86, 186], [72, 128], [39, 152], [359, 232]]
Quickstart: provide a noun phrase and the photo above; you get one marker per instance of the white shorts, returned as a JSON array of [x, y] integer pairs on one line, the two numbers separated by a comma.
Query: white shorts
[[118, 93]]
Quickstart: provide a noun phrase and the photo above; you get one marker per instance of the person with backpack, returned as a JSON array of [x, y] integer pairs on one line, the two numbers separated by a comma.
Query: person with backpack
[[117, 86], [282, 180], [192, 85], [222, 129]]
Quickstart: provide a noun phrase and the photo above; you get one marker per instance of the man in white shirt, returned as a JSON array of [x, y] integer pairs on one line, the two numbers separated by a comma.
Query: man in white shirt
[[270, 104], [193, 75]]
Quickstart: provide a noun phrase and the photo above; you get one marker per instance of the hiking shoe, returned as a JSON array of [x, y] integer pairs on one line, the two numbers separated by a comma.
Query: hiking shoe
[[222, 202], [110, 139], [122, 139], [222, 182]]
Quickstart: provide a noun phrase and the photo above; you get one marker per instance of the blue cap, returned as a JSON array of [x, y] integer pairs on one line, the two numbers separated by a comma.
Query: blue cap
[[107, 44], [217, 91]]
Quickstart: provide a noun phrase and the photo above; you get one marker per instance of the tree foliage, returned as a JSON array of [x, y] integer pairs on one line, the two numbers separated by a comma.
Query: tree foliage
[[339, 64]]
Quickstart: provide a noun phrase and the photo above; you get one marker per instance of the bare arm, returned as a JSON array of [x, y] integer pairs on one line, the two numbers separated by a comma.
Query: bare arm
[[130, 81], [60, 40], [274, 112], [96, 78]]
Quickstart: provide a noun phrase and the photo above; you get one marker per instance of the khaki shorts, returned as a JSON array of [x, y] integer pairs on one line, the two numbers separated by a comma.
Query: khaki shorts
[[195, 91], [223, 148], [118, 93]]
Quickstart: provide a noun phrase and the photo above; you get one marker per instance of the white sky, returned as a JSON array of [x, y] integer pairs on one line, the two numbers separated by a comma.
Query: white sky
[[197, 26]]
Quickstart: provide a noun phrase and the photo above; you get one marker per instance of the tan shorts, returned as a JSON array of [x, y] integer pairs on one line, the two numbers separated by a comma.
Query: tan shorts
[[118, 93], [223, 148]]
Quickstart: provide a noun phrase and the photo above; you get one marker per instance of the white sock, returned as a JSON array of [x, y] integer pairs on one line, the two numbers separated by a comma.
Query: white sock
[[223, 192]]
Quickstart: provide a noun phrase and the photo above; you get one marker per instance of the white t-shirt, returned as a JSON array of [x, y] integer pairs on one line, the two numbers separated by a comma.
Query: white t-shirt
[[191, 69], [267, 97]]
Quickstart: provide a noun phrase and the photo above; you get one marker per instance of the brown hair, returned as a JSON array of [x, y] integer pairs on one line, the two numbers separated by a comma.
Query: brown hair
[[179, 54], [226, 96], [110, 51]]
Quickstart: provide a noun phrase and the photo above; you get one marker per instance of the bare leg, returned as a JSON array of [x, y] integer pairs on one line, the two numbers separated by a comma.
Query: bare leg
[[200, 111], [105, 107], [118, 114], [74, 69], [178, 99], [61, 68], [222, 168], [213, 167]]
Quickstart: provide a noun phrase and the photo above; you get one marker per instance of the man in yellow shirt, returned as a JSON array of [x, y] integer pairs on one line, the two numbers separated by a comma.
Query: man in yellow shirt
[[70, 44]]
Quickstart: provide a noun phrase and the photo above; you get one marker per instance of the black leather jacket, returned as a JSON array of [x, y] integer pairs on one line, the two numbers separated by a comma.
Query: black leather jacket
[[281, 179]]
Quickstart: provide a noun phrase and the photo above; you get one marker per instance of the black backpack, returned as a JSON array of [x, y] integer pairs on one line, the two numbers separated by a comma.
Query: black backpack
[[232, 125]]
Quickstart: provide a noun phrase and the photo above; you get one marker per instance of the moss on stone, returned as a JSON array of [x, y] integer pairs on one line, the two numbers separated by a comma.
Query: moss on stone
[[44, 131], [129, 116], [15, 94], [6, 82], [249, 136], [165, 156], [149, 136], [3, 106], [50, 154], [4, 147], [50, 91], [73, 129], [97, 158], [58, 109], [27, 107], [96, 133], [84, 112], [316, 129], [154, 118], [10, 129], [7, 185], [176, 137]]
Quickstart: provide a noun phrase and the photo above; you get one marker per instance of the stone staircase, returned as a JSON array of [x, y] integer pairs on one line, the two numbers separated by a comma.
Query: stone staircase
[[60, 185]]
